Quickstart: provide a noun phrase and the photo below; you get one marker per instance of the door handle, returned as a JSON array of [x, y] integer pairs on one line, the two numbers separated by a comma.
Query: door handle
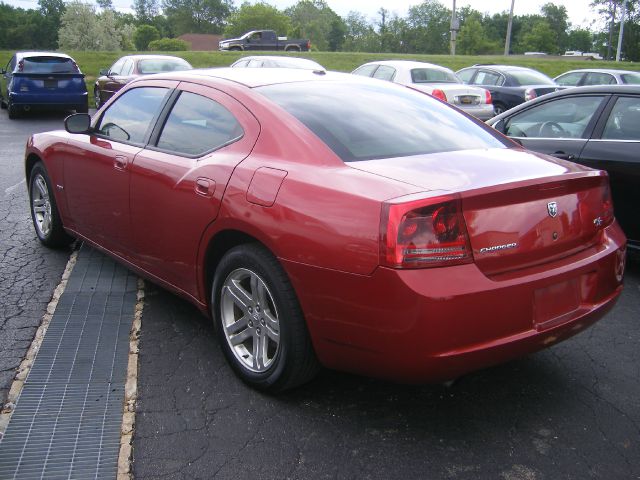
[[120, 162], [205, 186], [564, 156]]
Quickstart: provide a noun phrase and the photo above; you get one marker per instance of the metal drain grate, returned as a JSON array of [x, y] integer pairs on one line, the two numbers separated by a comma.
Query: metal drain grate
[[66, 423]]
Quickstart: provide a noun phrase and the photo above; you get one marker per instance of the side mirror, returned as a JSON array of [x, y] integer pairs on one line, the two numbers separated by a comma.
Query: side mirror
[[77, 123], [103, 72]]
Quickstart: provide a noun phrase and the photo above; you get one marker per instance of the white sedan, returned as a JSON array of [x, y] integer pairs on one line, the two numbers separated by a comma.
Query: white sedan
[[435, 80]]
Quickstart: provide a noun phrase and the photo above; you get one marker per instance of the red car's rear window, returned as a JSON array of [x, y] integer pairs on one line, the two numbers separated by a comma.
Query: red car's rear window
[[371, 120]]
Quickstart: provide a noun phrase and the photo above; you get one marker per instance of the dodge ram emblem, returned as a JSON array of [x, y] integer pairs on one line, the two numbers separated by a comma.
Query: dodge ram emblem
[[552, 208]]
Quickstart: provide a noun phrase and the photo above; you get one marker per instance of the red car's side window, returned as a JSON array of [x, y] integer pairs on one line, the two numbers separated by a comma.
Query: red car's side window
[[129, 118], [197, 125]]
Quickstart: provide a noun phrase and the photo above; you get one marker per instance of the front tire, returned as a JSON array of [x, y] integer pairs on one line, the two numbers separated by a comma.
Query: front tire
[[44, 211], [12, 110], [498, 108], [260, 325]]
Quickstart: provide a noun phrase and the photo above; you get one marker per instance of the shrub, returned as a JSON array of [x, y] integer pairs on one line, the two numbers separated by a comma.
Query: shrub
[[144, 35], [169, 45]]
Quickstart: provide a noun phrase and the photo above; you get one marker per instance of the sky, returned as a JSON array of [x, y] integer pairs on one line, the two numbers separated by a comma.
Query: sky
[[580, 14]]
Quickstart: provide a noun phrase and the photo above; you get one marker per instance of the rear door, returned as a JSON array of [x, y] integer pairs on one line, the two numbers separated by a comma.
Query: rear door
[[615, 147], [6, 78], [178, 181], [560, 127]]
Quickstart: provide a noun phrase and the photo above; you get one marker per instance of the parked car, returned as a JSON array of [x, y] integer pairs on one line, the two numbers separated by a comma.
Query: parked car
[[596, 126], [333, 220], [264, 40], [597, 76], [435, 80], [44, 80], [275, 61], [130, 67], [585, 55], [509, 85]]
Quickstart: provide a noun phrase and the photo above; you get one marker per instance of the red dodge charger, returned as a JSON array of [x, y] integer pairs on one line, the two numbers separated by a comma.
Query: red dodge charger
[[328, 219]]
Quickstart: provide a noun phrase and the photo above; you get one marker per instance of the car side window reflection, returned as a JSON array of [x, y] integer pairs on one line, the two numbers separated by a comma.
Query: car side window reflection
[[488, 78], [197, 125], [569, 80], [366, 70], [385, 72], [563, 118], [129, 118], [116, 68], [624, 120]]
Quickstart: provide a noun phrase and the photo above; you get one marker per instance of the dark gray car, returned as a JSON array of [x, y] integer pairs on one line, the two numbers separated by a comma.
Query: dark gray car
[[596, 126]]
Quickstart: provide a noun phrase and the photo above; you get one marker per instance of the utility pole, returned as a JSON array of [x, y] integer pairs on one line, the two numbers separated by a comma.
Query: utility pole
[[611, 25], [621, 33], [455, 26], [507, 43]]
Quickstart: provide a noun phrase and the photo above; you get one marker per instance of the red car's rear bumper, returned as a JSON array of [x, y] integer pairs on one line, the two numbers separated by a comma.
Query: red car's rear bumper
[[436, 324]]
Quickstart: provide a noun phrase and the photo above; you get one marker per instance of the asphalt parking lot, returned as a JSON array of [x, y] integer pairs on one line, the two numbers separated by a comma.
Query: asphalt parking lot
[[570, 412]]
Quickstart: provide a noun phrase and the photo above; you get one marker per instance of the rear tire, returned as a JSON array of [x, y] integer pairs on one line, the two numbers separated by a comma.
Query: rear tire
[[44, 210], [498, 108], [260, 325], [12, 110], [3, 104], [82, 109]]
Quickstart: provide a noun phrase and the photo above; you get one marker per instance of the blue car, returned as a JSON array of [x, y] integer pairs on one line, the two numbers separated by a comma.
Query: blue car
[[42, 79]]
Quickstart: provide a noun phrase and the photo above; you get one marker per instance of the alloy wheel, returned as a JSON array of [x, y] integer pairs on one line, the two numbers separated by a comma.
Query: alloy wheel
[[41, 205]]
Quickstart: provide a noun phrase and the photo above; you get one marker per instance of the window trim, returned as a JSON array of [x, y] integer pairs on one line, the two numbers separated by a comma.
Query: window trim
[[160, 122]]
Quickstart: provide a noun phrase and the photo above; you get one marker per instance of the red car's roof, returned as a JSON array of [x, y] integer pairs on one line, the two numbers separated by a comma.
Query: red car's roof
[[257, 77]]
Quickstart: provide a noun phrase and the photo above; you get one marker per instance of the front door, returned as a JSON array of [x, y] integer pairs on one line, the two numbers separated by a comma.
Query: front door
[[97, 167]]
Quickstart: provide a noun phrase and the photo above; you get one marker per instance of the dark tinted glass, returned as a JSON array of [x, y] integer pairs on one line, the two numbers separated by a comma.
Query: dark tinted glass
[[363, 120], [530, 77], [631, 78], [129, 118], [48, 65], [197, 125], [155, 65], [432, 75]]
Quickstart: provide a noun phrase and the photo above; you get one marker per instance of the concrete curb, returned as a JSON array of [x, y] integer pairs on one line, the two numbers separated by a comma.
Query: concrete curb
[[130, 392]]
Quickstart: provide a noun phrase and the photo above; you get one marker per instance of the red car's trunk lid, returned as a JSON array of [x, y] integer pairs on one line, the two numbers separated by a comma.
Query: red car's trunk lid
[[524, 225], [520, 209]]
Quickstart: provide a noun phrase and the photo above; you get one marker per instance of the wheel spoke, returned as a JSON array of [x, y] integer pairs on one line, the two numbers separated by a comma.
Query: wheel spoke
[[272, 326], [240, 296], [260, 351], [39, 202], [42, 187], [39, 209], [237, 326], [242, 337], [255, 288]]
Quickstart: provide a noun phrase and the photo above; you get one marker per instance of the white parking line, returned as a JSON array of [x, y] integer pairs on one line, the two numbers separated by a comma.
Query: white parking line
[[7, 191]]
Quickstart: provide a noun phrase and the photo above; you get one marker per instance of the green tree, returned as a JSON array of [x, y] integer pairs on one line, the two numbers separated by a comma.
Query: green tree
[[78, 26], [428, 24], [107, 34], [105, 4], [313, 19], [197, 16], [127, 33], [144, 35], [51, 11], [337, 34], [146, 10], [558, 20], [473, 40], [169, 45], [360, 35], [539, 37], [580, 39], [260, 16]]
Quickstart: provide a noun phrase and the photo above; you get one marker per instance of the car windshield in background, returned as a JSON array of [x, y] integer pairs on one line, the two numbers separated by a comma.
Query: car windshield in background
[[428, 75], [631, 78], [48, 65], [528, 77], [161, 65], [365, 121]]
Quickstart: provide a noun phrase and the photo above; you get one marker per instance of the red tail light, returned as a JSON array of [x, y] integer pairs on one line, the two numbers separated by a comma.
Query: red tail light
[[21, 65], [308, 44], [487, 97], [439, 94], [607, 206], [423, 233]]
